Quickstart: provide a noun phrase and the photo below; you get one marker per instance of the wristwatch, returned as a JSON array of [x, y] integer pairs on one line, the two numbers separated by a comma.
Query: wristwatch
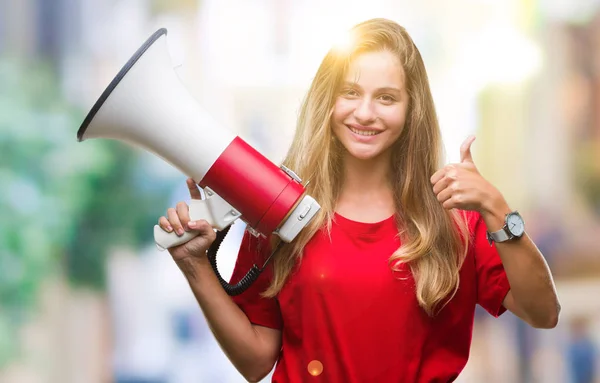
[[513, 228]]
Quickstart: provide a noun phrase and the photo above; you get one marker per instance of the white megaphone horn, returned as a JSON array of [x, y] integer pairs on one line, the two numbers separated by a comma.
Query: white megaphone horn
[[147, 106]]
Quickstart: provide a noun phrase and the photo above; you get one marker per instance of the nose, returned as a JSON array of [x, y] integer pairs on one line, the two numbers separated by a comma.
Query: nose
[[364, 112]]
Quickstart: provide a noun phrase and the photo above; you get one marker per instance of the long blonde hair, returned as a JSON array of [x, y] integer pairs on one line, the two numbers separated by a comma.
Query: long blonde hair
[[434, 241]]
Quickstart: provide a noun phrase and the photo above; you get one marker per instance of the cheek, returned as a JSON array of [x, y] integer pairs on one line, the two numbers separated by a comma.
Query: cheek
[[394, 120], [341, 110]]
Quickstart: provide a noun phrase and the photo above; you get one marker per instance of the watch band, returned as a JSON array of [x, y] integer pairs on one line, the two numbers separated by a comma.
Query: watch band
[[498, 236]]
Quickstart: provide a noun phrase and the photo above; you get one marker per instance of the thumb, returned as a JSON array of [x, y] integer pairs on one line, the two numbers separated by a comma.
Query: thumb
[[193, 189], [465, 150], [206, 236]]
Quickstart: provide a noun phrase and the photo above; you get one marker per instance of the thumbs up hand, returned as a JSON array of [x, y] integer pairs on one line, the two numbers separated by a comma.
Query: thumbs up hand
[[460, 186]]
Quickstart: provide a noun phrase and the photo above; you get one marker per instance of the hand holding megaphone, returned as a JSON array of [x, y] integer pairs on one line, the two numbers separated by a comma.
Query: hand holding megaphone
[[179, 222], [213, 209]]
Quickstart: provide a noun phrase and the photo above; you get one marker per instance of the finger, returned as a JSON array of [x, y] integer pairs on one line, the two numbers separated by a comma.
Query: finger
[[183, 211], [445, 195], [455, 202], [465, 150], [163, 222], [437, 176], [202, 226], [193, 188], [442, 184], [206, 236], [443, 172], [174, 221]]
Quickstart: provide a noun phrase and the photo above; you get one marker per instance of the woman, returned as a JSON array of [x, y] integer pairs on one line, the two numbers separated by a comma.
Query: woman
[[382, 285]]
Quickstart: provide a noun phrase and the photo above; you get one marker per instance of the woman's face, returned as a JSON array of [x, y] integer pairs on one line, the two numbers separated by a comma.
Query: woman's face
[[370, 110]]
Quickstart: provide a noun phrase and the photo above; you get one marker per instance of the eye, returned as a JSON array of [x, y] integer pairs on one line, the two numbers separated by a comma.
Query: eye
[[386, 98], [349, 92]]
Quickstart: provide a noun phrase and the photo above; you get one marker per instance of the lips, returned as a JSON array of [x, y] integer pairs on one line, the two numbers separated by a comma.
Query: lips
[[363, 130]]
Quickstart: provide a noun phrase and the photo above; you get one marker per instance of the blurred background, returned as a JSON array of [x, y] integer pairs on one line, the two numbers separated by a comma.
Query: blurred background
[[85, 296]]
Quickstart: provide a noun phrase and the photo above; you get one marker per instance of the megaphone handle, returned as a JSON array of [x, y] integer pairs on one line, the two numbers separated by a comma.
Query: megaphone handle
[[213, 209], [165, 240]]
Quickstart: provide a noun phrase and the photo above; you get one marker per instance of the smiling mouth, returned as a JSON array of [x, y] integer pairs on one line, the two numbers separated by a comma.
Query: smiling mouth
[[363, 132]]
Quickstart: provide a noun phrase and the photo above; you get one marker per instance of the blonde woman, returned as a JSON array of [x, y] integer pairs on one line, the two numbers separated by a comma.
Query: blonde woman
[[382, 286]]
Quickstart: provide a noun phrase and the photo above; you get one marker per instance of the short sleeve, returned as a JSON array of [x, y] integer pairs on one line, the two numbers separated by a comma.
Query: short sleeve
[[492, 283], [259, 310]]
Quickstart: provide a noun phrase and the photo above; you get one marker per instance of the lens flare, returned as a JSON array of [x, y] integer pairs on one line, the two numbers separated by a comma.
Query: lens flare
[[315, 368], [343, 42]]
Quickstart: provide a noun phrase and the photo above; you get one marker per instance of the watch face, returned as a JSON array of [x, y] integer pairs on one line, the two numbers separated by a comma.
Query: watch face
[[515, 224]]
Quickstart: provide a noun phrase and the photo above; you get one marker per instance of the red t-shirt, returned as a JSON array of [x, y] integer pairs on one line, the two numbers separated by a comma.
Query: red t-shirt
[[346, 317]]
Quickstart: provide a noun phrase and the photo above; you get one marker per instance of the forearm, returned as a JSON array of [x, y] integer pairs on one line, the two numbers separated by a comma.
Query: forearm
[[252, 355], [531, 282]]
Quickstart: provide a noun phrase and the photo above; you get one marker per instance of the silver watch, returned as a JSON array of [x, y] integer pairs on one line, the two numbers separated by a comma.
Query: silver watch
[[513, 228]]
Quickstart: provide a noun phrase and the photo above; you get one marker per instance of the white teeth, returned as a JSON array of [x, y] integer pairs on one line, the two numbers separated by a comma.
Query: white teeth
[[364, 132]]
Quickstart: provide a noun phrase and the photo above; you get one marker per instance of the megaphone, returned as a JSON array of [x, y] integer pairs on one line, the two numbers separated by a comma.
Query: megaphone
[[147, 106]]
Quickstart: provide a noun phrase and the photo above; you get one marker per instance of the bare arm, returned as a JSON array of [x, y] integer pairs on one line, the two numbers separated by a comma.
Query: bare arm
[[533, 295], [252, 349]]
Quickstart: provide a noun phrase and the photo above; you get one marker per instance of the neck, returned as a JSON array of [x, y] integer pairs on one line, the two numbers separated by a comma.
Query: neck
[[366, 193], [368, 176]]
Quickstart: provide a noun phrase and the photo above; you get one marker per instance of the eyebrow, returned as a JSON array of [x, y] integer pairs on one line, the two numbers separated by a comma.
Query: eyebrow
[[384, 89]]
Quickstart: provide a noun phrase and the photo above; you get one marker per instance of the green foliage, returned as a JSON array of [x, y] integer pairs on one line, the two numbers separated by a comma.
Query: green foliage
[[115, 210], [64, 204]]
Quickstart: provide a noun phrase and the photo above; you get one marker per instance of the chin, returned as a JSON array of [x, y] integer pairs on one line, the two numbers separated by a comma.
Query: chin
[[364, 155]]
